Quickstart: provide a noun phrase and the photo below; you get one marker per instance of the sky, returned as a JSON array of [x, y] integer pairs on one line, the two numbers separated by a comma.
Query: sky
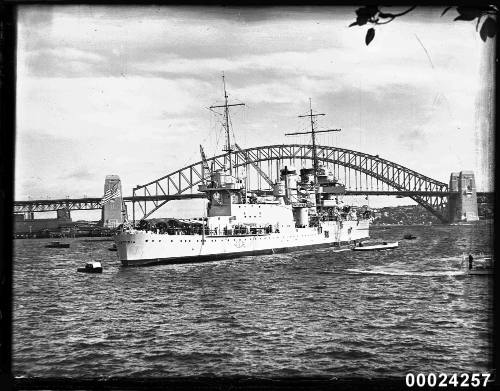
[[125, 90]]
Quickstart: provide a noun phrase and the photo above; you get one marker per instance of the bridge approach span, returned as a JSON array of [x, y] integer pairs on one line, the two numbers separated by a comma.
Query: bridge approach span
[[87, 203]]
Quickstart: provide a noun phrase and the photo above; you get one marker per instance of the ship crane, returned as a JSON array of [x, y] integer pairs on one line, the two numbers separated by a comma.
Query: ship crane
[[292, 200], [205, 169], [256, 166]]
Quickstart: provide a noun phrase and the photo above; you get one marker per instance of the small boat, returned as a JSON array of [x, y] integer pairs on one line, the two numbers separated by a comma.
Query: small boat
[[91, 267], [477, 266], [375, 246], [57, 245], [409, 237], [113, 247]]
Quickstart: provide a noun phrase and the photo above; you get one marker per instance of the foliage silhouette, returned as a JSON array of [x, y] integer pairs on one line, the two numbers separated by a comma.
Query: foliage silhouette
[[370, 34], [373, 15]]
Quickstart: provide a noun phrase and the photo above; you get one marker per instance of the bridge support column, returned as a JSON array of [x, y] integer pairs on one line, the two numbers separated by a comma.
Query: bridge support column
[[463, 205], [111, 215], [63, 214]]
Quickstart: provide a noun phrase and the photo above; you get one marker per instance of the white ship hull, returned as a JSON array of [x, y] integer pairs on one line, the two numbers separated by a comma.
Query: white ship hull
[[136, 248]]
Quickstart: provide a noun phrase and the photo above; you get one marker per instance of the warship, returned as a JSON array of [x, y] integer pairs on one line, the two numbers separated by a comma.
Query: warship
[[304, 210]]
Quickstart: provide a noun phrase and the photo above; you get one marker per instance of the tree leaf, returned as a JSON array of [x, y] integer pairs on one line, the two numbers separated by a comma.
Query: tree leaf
[[361, 20], [446, 10], [367, 12], [488, 29], [468, 13], [370, 34], [354, 24]]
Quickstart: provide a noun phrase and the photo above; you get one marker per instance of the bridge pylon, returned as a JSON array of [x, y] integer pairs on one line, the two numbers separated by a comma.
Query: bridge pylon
[[462, 205], [111, 215], [63, 214]]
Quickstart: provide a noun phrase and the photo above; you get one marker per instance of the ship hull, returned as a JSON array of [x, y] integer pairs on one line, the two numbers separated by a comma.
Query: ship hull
[[147, 248], [217, 257]]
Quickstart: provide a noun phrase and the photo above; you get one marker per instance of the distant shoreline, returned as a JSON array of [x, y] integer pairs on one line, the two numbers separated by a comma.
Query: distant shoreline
[[375, 225]]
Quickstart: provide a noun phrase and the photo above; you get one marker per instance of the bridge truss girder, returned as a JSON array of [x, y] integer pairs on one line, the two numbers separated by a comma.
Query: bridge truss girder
[[53, 205], [392, 174]]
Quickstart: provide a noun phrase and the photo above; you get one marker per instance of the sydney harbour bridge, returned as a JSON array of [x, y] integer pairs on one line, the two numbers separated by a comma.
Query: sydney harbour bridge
[[362, 174]]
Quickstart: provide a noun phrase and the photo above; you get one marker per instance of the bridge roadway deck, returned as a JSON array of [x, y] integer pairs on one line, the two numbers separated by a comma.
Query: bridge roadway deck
[[93, 202], [88, 203]]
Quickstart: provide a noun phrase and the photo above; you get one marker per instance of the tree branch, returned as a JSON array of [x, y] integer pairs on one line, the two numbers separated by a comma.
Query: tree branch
[[387, 21], [393, 16]]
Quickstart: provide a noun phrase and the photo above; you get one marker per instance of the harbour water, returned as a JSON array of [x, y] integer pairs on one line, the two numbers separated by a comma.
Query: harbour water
[[314, 312]]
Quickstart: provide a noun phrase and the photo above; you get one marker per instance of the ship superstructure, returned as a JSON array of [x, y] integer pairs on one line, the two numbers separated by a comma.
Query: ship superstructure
[[304, 210]]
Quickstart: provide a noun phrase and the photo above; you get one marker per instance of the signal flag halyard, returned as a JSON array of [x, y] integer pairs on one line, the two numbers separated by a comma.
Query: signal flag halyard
[[110, 194]]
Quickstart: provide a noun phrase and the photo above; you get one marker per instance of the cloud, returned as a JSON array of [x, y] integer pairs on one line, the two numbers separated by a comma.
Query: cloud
[[82, 173], [65, 60], [413, 139], [125, 90], [194, 41]]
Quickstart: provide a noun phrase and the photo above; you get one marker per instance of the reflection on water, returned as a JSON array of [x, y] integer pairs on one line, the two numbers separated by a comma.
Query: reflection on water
[[315, 312]]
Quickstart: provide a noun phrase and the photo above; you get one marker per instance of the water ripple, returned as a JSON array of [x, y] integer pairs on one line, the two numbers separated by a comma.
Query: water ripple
[[320, 312]]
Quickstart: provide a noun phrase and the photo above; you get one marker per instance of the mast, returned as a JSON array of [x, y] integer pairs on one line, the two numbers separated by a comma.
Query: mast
[[227, 147], [314, 151], [313, 137], [226, 118]]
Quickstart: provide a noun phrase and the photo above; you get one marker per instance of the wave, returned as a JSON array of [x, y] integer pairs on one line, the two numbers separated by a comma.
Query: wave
[[351, 354], [186, 356], [408, 273], [457, 258]]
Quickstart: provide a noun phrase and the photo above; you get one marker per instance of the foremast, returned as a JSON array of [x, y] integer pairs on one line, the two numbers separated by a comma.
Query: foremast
[[223, 189], [225, 124]]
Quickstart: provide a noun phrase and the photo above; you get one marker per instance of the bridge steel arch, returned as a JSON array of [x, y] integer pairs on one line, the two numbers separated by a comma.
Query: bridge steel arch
[[392, 174]]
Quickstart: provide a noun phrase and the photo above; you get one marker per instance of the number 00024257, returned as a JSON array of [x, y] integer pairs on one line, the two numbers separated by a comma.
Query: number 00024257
[[447, 380]]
